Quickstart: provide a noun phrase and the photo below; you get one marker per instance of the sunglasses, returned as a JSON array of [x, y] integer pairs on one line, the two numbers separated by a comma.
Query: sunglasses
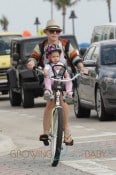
[[56, 31]]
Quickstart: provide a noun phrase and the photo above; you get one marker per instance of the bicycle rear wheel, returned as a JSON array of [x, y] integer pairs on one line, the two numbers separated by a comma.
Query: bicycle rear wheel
[[57, 133]]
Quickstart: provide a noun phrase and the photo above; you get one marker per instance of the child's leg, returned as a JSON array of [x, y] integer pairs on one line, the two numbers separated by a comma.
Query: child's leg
[[68, 85], [48, 83], [48, 94], [69, 93]]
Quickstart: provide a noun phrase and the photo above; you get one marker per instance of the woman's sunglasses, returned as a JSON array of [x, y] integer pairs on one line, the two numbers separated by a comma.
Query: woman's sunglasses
[[56, 31]]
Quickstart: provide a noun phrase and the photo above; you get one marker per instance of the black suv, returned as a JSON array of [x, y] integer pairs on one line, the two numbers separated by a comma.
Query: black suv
[[24, 86]]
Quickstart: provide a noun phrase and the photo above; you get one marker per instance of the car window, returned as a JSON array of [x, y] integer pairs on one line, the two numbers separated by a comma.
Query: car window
[[72, 39], [106, 32], [5, 43], [68, 37], [111, 36], [108, 54], [97, 33], [95, 54], [89, 53], [29, 46]]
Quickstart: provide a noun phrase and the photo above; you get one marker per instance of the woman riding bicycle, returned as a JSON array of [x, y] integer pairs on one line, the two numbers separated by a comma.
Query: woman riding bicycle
[[53, 30]]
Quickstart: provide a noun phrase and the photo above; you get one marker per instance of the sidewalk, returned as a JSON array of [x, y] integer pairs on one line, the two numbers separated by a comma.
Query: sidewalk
[[6, 144]]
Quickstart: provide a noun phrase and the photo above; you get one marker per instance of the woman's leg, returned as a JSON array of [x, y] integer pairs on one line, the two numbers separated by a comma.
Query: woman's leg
[[67, 133], [47, 115], [66, 112]]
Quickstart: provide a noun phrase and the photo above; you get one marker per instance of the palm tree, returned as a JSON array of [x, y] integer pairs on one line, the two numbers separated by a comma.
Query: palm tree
[[63, 4], [109, 9], [51, 1], [4, 23]]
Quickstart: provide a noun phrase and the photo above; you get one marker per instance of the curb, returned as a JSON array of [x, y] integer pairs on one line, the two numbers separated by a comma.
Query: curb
[[6, 144]]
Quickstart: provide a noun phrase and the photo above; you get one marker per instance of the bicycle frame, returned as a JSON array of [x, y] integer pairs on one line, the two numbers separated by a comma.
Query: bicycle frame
[[56, 125], [57, 115]]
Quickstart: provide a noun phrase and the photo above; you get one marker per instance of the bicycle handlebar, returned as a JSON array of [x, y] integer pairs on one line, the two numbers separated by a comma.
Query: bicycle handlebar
[[64, 80], [39, 70]]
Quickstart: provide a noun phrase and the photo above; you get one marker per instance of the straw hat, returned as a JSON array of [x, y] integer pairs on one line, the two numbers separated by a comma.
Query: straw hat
[[52, 25]]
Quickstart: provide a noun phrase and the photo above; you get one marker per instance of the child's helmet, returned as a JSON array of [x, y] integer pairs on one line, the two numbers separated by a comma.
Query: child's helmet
[[53, 48]]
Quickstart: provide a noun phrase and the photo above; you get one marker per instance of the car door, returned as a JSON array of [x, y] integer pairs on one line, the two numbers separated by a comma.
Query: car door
[[93, 75], [87, 82]]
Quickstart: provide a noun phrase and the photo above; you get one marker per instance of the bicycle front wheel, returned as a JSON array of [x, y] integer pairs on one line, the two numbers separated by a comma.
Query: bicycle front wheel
[[57, 133]]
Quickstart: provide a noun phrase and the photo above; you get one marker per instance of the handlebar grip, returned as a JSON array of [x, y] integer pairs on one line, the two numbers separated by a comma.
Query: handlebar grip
[[38, 69]]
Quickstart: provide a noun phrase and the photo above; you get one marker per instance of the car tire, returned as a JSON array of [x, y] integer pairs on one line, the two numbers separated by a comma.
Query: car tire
[[80, 112], [27, 98], [75, 101], [101, 113], [15, 98]]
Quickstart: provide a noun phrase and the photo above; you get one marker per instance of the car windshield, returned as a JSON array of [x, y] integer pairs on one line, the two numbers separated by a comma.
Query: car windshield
[[71, 39], [108, 54], [28, 47], [5, 42]]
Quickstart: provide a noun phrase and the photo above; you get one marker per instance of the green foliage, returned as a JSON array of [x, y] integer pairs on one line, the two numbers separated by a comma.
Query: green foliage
[[4, 23], [62, 5]]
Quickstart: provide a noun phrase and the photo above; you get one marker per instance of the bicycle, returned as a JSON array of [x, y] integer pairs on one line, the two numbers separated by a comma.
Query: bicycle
[[56, 130]]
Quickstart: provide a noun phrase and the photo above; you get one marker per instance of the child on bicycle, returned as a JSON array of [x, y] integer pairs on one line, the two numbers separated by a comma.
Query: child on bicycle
[[53, 53]]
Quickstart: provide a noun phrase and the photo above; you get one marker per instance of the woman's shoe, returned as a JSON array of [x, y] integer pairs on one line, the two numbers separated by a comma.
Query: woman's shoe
[[68, 139], [44, 138], [68, 143]]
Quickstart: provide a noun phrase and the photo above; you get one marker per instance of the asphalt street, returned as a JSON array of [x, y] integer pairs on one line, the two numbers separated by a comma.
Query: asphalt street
[[21, 153]]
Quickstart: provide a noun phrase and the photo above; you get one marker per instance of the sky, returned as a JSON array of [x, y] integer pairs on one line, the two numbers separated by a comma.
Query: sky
[[21, 15]]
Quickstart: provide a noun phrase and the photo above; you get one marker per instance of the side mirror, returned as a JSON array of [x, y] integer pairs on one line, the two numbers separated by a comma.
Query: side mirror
[[82, 51], [15, 56]]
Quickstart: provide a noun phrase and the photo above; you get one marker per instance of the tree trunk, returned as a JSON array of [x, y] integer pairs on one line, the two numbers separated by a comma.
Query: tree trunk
[[109, 10], [63, 16]]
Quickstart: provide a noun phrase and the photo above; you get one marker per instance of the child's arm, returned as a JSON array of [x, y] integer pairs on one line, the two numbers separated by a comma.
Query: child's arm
[[46, 70], [66, 74]]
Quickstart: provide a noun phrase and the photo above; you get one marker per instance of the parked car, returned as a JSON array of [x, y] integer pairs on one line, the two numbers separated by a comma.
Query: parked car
[[97, 90], [104, 32], [5, 41], [24, 86]]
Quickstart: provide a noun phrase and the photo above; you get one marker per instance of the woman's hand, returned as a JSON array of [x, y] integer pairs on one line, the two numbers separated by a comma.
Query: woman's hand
[[83, 69], [30, 65]]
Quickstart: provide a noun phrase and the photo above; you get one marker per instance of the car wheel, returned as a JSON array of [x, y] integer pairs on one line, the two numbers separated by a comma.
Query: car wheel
[[101, 113], [27, 98], [75, 102], [80, 112], [15, 98]]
